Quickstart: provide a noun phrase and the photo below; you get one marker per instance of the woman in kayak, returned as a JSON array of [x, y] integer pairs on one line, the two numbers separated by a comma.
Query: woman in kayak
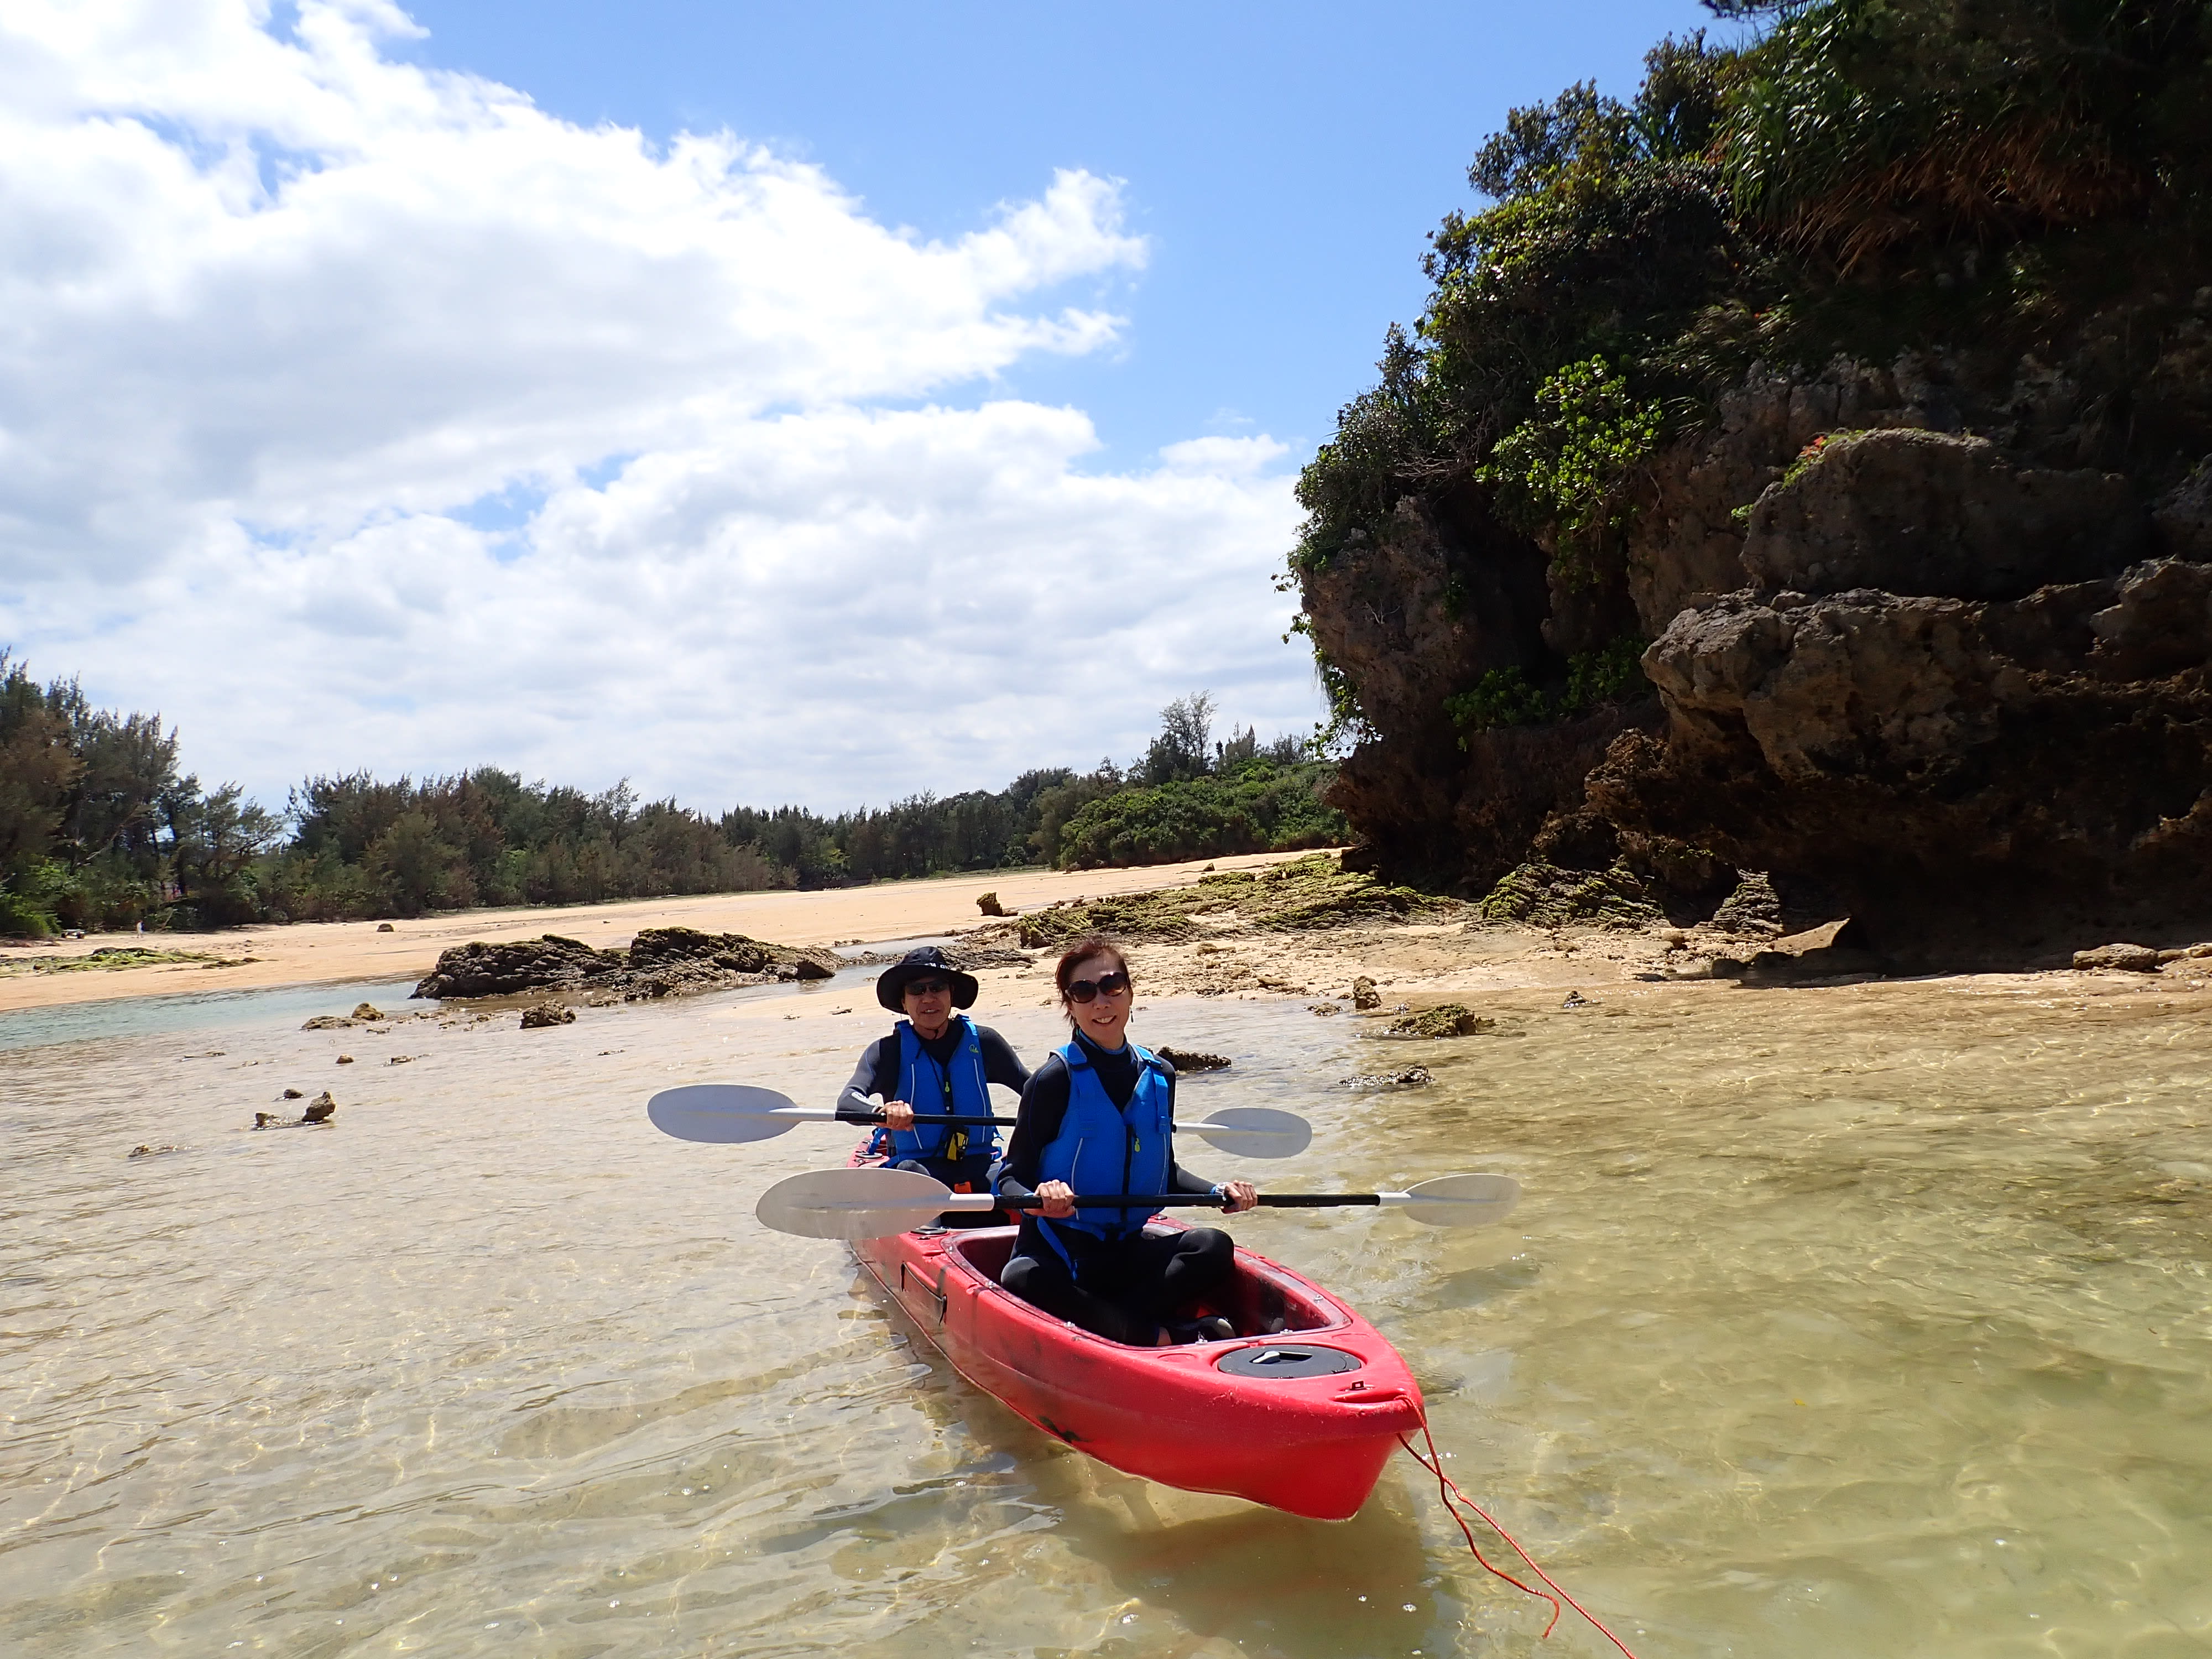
[[1097, 1117], [934, 1062]]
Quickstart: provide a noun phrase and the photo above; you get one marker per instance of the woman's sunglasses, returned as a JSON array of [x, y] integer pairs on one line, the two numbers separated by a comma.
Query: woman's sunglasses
[[1109, 985]]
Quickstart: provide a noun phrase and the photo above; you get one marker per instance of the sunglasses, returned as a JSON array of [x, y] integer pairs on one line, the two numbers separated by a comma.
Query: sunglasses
[[927, 987], [1106, 985]]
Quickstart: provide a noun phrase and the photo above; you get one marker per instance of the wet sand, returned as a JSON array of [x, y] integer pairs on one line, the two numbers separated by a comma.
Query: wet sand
[[312, 953]]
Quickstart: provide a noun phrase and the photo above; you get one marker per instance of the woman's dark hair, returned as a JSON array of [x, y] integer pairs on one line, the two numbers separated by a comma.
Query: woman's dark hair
[[1090, 945]]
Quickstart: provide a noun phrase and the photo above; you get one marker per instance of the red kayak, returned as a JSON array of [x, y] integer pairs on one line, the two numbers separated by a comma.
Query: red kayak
[[1302, 1418]]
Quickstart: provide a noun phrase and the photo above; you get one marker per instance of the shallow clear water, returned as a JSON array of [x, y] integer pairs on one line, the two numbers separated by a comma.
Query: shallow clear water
[[1865, 1321], [191, 1012]]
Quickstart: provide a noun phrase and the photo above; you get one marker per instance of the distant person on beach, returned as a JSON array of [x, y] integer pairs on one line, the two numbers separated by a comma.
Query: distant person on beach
[[938, 1063], [1098, 1116]]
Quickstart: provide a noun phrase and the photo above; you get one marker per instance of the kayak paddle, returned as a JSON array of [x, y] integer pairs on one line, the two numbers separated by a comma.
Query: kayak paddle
[[857, 1204], [728, 1113]]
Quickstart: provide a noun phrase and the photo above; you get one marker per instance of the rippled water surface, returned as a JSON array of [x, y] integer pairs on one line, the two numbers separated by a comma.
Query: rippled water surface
[[1865, 1322]]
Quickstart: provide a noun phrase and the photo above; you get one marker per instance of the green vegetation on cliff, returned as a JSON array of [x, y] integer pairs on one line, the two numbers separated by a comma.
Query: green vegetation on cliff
[[1856, 178]]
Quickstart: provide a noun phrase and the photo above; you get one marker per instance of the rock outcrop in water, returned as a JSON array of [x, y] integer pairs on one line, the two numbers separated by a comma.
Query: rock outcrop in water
[[660, 962]]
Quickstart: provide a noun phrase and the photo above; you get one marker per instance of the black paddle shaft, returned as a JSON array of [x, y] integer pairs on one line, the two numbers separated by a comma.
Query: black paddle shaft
[[1204, 1200], [948, 1117]]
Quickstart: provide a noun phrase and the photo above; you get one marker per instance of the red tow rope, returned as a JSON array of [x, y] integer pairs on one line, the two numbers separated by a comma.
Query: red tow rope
[[1434, 1463]]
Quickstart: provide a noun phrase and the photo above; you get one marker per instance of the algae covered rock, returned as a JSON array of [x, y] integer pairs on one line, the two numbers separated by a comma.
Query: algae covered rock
[[660, 962], [1298, 894], [1544, 896], [545, 1014], [481, 969], [1191, 1059], [1753, 907], [1446, 1019]]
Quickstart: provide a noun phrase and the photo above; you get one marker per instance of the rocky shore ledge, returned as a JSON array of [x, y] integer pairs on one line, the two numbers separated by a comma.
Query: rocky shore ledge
[[660, 962]]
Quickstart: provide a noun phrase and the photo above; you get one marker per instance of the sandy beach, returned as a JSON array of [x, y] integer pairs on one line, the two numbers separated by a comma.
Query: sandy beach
[[311, 953], [1417, 963]]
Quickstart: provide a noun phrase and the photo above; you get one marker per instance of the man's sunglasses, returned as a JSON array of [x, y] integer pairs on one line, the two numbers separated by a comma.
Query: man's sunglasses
[[927, 987], [1109, 985]]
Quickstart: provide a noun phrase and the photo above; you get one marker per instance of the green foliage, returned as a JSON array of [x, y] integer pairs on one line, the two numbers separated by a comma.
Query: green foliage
[[1504, 696], [1857, 177], [98, 829], [1569, 464], [1260, 809], [29, 898]]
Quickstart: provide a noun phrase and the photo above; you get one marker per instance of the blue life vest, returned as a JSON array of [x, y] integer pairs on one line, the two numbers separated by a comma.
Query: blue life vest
[[928, 1087], [1104, 1149]]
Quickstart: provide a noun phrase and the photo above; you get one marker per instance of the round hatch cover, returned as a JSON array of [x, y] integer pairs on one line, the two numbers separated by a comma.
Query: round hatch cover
[[1288, 1359]]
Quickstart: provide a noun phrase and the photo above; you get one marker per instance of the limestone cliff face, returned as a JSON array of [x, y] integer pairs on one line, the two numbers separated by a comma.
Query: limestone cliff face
[[1929, 638], [1923, 755]]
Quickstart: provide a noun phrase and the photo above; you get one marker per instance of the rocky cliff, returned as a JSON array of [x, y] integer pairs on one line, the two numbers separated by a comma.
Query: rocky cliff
[[1918, 591]]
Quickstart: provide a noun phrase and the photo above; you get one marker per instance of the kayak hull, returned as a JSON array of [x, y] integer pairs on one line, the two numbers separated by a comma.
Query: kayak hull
[[1251, 1417]]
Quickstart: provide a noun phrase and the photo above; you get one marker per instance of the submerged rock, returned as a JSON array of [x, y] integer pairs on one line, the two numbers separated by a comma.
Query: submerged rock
[[1446, 1019], [1409, 1077], [537, 1019], [1191, 1059], [321, 1110]]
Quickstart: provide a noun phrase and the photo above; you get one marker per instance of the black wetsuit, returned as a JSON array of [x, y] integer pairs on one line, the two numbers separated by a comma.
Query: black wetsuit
[[878, 1073], [1123, 1289]]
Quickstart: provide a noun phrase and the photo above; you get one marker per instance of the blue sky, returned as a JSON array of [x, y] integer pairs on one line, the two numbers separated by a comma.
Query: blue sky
[[1287, 160], [809, 403]]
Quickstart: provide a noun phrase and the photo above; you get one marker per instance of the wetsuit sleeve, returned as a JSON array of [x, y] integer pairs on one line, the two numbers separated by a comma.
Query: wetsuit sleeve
[[1001, 1065], [1181, 1179], [853, 1104], [1036, 1125]]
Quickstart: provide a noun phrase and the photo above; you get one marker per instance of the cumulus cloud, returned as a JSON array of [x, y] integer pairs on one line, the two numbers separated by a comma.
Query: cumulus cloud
[[359, 414]]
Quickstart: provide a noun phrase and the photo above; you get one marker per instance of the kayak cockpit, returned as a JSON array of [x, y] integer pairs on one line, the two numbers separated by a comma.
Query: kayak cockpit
[[1258, 1299]]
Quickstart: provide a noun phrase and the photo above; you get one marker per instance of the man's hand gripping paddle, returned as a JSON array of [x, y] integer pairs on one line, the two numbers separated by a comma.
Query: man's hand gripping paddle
[[726, 1114], [857, 1204]]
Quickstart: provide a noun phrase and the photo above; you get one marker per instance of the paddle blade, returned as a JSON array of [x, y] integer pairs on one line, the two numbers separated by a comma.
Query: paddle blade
[[852, 1204], [1253, 1132], [724, 1114], [1462, 1200]]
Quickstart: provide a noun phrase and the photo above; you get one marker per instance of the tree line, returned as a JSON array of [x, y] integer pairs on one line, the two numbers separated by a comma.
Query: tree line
[[100, 829]]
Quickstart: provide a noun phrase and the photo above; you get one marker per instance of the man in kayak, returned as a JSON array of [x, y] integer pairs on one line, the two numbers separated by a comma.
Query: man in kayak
[[936, 1062], [1097, 1117]]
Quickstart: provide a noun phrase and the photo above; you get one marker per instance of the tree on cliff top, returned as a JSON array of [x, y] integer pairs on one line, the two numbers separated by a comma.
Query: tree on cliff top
[[1858, 177]]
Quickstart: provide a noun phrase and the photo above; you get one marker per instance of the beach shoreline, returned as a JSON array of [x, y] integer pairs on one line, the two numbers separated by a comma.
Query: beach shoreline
[[269, 956]]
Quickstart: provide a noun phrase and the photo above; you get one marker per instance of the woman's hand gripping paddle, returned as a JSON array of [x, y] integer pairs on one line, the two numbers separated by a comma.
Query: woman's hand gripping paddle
[[857, 1204], [726, 1114]]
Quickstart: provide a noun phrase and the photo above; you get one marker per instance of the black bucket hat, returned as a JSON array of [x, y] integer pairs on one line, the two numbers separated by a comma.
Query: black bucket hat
[[891, 985]]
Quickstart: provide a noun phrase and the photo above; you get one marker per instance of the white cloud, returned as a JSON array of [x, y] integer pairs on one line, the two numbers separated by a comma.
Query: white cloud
[[274, 312]]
